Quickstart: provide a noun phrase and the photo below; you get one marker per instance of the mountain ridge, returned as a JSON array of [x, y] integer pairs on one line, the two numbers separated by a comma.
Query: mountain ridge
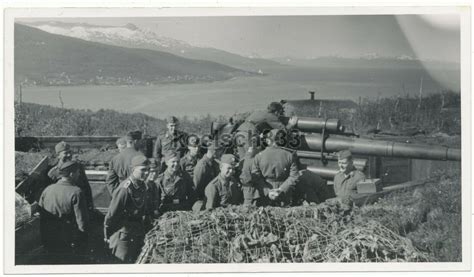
[[42, 58], [132, 36]]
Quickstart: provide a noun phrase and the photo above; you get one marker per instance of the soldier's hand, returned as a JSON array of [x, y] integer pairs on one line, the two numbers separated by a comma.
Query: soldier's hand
[[273, 194]]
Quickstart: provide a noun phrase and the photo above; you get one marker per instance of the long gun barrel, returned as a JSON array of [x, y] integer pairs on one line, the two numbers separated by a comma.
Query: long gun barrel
[[334, 143]]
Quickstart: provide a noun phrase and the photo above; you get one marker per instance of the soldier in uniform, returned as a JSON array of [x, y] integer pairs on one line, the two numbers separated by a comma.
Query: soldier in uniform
[[128, 217], [64, 154], [172, 140], [225, 189], [64, 217], [174, 187], [258, 122], [346, 179], [189, 161], [249, 190], [207, 168], [119, 167], [274, 173]]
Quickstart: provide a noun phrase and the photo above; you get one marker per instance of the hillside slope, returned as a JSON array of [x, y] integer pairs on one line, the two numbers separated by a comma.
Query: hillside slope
[[42, 58]]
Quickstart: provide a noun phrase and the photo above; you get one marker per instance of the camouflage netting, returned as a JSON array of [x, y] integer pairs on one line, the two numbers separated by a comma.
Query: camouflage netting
[[322, 233]]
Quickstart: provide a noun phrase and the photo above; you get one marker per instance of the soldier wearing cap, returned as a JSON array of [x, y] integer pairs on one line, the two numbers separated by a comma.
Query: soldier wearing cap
[[189, 161], [245, 177], [274, 173], [130, 211], [172, 140], [174, 187], [64, 154], [119, 166], [207, 168], [258, 122], [64, 217], [225, 189], [346, 179]]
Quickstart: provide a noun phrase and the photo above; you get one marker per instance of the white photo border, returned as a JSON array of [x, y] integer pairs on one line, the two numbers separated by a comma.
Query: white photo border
[[13, 14]]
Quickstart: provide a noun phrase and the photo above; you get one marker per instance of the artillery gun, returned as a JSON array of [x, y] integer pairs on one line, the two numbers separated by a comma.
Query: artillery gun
[[315, 141]]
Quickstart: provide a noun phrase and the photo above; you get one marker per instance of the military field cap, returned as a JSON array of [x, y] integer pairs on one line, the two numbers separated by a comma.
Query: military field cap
[[171, 155], [139, 160], [344, 154], [62, 146], [172, 120], [134, 135], [274, 106], [229, 159], [68, 166], [193, 141]]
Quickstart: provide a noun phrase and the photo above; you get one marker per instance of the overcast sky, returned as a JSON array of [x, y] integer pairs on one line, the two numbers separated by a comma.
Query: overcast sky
[[425, 37]]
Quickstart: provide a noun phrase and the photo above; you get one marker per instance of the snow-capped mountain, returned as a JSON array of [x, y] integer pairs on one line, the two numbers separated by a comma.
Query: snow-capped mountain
[[42, 58], [131, 36]]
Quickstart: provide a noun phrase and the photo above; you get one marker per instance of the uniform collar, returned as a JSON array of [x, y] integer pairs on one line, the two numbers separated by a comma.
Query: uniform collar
[[350, 175], [176, 134], [66, 181]]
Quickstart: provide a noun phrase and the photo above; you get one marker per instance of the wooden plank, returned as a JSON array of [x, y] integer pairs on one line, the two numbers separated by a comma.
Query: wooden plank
[[37, 170], [96, 175]]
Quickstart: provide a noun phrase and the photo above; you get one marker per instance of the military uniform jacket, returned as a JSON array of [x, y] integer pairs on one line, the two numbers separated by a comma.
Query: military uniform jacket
[[132, 203], [64, 216], [170, 142], [205, 171], [274, 168], [220, 193], [346, 185], [174, 192], [188, 163], [82, 183], [119, 168]]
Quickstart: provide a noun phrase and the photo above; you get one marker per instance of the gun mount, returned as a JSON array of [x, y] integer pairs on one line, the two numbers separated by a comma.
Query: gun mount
[[318, 139]]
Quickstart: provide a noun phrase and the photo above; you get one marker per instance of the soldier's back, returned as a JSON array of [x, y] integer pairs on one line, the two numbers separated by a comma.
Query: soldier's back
[[57, 198], [274, 162]]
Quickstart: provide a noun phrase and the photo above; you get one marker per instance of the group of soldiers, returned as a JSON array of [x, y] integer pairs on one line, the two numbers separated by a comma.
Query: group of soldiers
[[183, 174]]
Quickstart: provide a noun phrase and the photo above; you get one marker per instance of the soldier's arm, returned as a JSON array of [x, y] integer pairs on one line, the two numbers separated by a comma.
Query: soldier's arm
[[53, 174], [190, 193], [198, 173], [112, 179], [358, 176], [152, 209], [257, 179], [115, 212], [157, 149], [86, 187], [293, 176], [79, 204], [210, 193]]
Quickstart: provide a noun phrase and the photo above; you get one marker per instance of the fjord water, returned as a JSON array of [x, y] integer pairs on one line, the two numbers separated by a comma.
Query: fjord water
[[248, 93]]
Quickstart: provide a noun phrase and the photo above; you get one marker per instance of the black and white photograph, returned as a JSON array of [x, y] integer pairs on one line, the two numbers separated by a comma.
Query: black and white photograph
[[258, 139]]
